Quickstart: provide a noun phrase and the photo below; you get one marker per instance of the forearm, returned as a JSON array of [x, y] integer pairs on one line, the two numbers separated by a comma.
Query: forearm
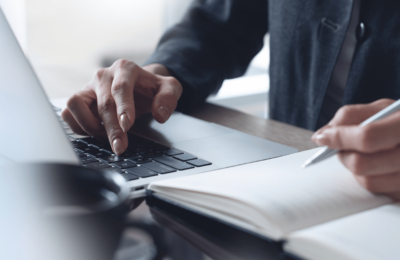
[[215, 41]]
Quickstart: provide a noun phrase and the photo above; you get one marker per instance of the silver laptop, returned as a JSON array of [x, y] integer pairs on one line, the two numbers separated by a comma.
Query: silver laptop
[[32, 131]]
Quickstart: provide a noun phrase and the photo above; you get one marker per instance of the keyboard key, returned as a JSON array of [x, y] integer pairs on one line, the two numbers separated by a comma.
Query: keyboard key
[[88, 159], [185, 157], [105, 146], [158, 167], [83, 140], [98, 165], [80, 153], [124, 164], [172, 152], [100, 154], [88, 149], [173, 163], [140, 160], [97, 143], [110, 151], [77, 144], [199, 162], [130, 155], [112, 159], [152, 154], [116, 170], [100, 146], [129, 176], [90, 140], [141, 172], [137, 148]]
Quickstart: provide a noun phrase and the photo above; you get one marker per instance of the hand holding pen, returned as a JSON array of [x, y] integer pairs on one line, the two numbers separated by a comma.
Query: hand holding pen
[[372, 151]]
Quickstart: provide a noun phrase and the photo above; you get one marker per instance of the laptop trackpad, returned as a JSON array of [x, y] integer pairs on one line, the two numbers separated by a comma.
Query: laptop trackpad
[[178, 128], [234, 149], [222, 146]]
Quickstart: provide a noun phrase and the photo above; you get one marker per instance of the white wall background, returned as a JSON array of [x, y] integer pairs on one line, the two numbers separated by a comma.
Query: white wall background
[[174, 11], [80, 32], [15, 12], [67, 40]]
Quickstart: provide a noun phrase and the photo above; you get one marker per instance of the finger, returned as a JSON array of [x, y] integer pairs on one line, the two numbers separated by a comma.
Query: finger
[[78, 105], [377, 136], [389, 183], [355, 114], [166, 100], [381, 163], [319, 131], [125, 76], [108, 114], [70, 120]]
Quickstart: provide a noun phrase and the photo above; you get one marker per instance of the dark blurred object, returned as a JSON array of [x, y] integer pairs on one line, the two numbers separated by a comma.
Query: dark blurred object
[[134, 248], [52, 211]]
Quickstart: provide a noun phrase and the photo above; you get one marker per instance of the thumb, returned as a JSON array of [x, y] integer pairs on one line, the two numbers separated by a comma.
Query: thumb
[[166, 99]]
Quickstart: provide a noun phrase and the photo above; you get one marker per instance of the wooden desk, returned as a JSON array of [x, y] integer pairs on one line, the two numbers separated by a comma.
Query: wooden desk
[[265, 128]]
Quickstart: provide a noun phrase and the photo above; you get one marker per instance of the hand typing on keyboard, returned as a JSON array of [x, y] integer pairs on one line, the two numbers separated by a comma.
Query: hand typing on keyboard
[[108, 106], [143, 158]]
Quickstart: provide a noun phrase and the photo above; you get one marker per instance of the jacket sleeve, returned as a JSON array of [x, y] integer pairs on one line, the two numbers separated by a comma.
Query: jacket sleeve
[[215, 41]]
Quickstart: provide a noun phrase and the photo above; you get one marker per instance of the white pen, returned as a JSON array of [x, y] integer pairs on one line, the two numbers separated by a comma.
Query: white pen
[[326, 152]]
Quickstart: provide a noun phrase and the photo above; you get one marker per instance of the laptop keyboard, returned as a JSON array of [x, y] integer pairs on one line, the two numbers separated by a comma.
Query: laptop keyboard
[[142, 159]]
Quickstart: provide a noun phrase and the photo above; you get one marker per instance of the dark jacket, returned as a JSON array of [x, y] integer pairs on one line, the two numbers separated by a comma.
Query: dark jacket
[[218, 38]]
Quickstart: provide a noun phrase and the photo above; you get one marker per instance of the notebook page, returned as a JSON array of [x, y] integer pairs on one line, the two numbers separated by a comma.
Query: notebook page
[[316, 195], [289, 197], [369, 235]]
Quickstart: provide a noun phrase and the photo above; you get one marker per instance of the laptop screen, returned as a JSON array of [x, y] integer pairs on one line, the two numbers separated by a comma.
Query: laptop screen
[[29, 129]]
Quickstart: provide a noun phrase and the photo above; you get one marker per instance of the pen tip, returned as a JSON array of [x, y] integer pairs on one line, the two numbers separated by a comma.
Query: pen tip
[[304, 165]]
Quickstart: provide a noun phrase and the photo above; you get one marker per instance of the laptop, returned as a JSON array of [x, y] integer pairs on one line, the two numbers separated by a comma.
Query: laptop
[[33, 131]]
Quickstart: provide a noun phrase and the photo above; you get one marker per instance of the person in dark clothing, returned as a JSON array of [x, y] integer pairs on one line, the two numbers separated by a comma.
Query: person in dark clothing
[[333, 64]]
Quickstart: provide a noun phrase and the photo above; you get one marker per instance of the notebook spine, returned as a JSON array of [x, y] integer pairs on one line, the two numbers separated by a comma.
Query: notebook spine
[[237, 241]]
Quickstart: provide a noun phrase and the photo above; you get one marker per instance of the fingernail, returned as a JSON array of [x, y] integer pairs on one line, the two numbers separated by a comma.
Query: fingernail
[[163, 112], [118, 146], [314, 136], [125, 122], [320, 139]]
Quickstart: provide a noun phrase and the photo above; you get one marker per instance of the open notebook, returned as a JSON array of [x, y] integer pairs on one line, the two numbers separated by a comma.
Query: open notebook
[[321, 212]]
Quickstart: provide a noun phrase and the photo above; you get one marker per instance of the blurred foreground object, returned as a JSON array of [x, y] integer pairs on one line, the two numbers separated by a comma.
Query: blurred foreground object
[[52, 211]]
